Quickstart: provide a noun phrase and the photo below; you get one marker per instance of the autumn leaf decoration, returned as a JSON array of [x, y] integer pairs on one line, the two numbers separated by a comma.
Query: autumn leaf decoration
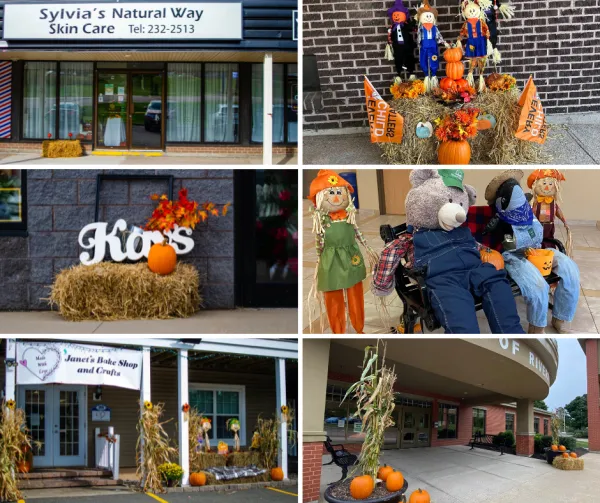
[[183, 212]]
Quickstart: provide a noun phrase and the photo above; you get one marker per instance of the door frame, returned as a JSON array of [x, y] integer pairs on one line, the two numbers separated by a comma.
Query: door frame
[[414, 410], [52, 439], [129, 72]]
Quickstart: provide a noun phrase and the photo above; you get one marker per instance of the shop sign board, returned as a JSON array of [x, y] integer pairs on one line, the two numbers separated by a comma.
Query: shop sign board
[[100, 413], [123, 21], [66, 363]]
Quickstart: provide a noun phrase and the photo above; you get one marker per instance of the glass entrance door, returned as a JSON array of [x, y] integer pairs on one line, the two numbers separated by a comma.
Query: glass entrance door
[[112, 117], [415, 428], [55, 415], [146, 111]]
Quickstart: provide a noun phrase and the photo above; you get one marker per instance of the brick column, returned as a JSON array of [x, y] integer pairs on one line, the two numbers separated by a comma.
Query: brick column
[[312, 453], [593, 393], [525, 432]]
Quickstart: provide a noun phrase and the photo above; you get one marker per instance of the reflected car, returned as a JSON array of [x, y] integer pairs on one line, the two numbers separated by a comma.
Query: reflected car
[[152, 116], [332, 420]]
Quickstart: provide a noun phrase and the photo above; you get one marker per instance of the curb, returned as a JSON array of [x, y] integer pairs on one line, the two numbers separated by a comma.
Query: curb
[[231, 487]]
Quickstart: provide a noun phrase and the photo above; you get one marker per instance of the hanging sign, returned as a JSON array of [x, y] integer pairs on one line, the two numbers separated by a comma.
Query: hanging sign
[[127, 20], [65, 363], [100, 413], [137, 245]]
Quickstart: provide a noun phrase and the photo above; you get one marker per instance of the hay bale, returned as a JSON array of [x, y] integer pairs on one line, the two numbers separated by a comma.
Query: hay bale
[[61, 148], [567, 463], [212, 481], [244, 458], [209, 460], [110, 291], [492, 146]]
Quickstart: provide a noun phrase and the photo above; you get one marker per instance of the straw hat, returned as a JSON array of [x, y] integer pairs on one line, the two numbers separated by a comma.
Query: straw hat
[[325, 180], [425, 7], [538, 174], [494, 185]]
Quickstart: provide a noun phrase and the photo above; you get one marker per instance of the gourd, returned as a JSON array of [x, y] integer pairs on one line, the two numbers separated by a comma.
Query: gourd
[[277, 474], [198, 479], [384, 471], [162, 258], [394, 482], [420, 496], [361, 487], [492, 257]]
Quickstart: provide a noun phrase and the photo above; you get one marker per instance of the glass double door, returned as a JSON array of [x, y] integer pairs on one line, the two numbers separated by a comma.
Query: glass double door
[[414, 427], [129, 110], [55, 416]]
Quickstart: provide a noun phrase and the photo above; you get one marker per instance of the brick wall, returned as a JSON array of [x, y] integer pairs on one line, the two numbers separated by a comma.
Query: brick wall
[[312, 455], [61, 202], [496, 419], [555, 40], [525, 445], [593, 394]]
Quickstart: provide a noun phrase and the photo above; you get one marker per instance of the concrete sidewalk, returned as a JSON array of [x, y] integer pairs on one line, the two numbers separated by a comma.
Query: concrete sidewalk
[[234, 321], [572, 144]]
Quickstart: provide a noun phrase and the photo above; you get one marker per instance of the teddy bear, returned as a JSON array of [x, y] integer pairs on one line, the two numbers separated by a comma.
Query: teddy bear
[[341, 266], [517, 228], [436, 208]]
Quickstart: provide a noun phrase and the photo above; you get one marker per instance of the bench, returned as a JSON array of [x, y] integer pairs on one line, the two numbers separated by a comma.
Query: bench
[[487, 442], [340, 457], [411, 288]]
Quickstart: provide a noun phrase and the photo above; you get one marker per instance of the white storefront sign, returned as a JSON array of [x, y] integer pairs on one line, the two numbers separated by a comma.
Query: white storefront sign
[[116, 21], [100, 413], [65, 363], [137, 246]]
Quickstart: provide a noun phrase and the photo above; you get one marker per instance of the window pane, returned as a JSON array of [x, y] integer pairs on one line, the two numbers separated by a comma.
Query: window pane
[[536, 424], [292, 107], [221, 96], [11, 206], [228, 402], [479, 421], [76, 108], [222, 431], [202, 401], [257, 103], [39, 104], [184, 102]]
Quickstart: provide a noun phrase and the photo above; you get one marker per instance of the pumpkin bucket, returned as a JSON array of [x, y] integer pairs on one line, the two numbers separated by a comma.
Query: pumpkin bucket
[[542, 260]]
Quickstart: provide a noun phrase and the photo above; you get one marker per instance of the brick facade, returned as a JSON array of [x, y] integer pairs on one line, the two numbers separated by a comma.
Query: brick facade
[[312, 455], [61, 202], [593, 394], [555, 40], [525, 445]]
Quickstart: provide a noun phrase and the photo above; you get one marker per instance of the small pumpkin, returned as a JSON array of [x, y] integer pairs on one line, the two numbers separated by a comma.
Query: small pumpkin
[[486, 121], [462, 85], [448, 84], [493, 257], [362, 487], [454, 152], [573, 455], [554, 447], [424, 130], [562, 448], [23, 466], [453, 54], [565, 455], [198, 479], [162, 258], [277, 474], [420, 496], [455, 70], [384, 471], [394, 482]]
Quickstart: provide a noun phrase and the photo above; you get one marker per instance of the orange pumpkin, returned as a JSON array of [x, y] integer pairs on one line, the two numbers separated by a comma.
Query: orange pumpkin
[[562, 448], [565, 455], [198, 479], [362, 487], [384, 472], [23, 466], [394, 482], [162, 258], [462, 85], [420, 496], [455, 70], [573, 455], [448, 84], [554, 447], [492, 257], [453, 55], [277, 474], [454, 152]]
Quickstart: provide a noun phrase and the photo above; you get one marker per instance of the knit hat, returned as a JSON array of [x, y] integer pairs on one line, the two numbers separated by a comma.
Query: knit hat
[[398, 7], [494, 185], [325, 180], [425, 7], [538, 174]]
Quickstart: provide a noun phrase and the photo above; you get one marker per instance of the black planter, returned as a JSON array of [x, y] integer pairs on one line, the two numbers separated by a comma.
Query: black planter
[[396, 497], [550, 454]]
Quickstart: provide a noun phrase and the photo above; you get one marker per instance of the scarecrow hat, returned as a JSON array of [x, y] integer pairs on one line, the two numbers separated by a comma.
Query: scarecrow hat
[[325, 180], [425, 7], [538, 174], [398, 7], [494, 185]]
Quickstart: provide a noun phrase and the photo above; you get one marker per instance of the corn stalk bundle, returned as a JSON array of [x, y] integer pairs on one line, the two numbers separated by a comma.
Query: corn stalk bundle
[[13, 437]]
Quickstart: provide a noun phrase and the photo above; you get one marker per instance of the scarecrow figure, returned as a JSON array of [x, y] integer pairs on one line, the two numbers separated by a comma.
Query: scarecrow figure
[[205, 424], [429, 38], [234, 425], [491, 9], [340, 267], [478, 45], [401, 39], [545, 186], [255, 441]]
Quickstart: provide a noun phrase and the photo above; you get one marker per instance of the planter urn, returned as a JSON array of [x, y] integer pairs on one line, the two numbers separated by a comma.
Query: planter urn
[[396, 497]]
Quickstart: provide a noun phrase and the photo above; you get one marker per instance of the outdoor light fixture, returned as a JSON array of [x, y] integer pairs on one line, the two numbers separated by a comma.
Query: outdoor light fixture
[[98, 394]]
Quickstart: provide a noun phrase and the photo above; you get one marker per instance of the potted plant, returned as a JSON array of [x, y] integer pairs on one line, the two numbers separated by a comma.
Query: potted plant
[[171, 474], [375, 403], [453, 131]]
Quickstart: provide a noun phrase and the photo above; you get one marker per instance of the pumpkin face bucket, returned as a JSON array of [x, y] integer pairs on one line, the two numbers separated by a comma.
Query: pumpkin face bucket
[[542, 260]]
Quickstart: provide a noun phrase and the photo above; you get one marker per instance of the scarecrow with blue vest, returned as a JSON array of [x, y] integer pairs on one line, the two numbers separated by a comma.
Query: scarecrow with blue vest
[[429, 37], [400, 37]]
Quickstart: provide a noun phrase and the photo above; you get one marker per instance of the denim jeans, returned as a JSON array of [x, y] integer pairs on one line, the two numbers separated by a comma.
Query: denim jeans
[[536, 291]]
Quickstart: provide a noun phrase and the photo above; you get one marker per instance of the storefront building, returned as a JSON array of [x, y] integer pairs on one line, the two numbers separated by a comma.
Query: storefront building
[[487, 387], [591, 348], [197, 77], [247, 258], [222, 378]]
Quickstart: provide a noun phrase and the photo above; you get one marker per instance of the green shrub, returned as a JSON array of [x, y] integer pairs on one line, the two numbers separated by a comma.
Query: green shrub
[[569, 442], [540, 442], [510, 438], [581, 433], [506, 438]]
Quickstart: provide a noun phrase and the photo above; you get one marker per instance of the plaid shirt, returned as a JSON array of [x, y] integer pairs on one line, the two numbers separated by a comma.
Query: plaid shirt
[[477, 218], [383, 276]]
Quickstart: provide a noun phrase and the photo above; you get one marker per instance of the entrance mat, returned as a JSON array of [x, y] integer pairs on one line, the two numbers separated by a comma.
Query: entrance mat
[[109, 291]]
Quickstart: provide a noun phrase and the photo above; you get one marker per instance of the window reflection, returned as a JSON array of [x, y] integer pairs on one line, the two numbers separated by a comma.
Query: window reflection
[[11, 208]]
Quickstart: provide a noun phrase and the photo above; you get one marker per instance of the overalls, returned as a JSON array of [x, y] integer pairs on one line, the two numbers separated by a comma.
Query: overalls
[[455, 275], [533, 286], [476, 46], [342, 267], [429, 53]]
